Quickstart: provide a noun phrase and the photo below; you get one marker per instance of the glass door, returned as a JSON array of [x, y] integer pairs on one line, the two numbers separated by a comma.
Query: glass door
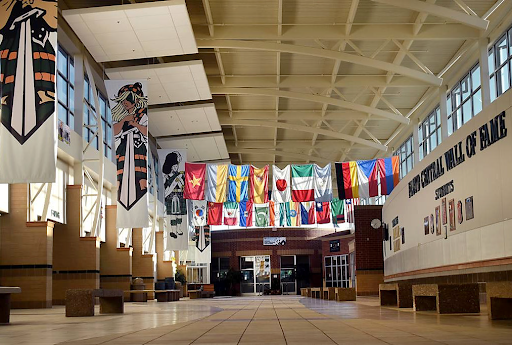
[[288, 269], [255, 274]]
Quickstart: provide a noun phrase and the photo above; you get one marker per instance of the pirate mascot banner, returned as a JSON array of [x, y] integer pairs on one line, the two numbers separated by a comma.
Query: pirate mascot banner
[[173, 171], [129, 103], [28, 141], [203, 248]]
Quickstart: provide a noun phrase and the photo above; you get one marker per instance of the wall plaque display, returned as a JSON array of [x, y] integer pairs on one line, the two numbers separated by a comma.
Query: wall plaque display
[[451, 212], [459, 212], [334, 246], [432, 223], [426, 225], [274, 241], [438, 221], [469, 208], [396, 245], [443, 211], [396, 232]]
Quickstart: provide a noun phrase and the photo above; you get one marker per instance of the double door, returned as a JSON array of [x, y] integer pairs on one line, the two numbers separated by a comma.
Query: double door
[[255, 274]]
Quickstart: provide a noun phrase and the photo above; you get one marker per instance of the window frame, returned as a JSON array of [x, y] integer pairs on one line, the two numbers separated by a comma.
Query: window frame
[[426, 134], [405, 153], [70, 85]]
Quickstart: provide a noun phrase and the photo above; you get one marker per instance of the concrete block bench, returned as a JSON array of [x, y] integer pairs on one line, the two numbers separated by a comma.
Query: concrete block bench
[[167, 295], [446, 298], [396, 294], [499, 300], [80, 302], [345, 294], [316, 292], [329, 293], [5, 302]]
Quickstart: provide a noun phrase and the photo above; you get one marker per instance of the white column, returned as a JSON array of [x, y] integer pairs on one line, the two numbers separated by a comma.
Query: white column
[[415, 141], [484, 71], [443, 89]]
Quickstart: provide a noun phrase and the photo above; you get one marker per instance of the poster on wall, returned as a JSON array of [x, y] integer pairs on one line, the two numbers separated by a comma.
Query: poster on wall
[[396, 245], [334, 246], [459, 212], [443, 211], [431, 223], [426, 226], [469, 208], [128, 100], [438, 221], [28, 129], [451, 212], [396, 232]]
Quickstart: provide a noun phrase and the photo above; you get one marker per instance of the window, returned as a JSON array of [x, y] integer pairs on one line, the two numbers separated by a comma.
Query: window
[[336, 271], [220, 268], [66, 88], [153, 162], [406, 155], [90, 119], [464, 101], [500, 65], [429, 133]]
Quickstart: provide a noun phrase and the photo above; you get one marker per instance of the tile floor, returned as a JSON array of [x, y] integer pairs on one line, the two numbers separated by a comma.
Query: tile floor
[[272, 320]]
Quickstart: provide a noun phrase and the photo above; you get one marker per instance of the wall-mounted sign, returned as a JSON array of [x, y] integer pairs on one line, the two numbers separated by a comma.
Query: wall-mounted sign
[[334, 246], [274, 241]]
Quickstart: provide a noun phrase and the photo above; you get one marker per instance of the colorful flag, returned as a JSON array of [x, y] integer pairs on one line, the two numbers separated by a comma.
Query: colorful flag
[[261, 212], [302, 183], [348, 184], [230, 213], [323, 183], [272, 213], [28, 128], [194, 181], [367, 177], [214, 213], [337, 211], [198, 212], [295, 216], [246, 213], [238, 178], [389, 170], [284, 214], [216, 182], [281, 184], [349, 209], [323, 212], [259, 184], [307, 212]]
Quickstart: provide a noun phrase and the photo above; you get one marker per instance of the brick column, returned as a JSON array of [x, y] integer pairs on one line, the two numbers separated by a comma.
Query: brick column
[[143, 264], [163, 268]]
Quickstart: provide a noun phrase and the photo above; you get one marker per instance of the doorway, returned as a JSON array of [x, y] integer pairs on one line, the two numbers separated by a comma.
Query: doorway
[[255, 274], [288, 273]]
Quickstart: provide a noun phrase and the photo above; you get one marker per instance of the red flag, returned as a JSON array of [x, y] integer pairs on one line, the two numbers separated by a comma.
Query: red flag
[[214, 213], [194, 181], [323, 212]]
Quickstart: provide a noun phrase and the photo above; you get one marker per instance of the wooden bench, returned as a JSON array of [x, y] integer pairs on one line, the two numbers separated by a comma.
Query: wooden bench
[[329, 293], [396, 294], [447, 298], [499, 300], [344, 294], [167, 295], [304, 292], [194, 294], [316, 292], [208, 291], [5, 302], [80, 302]]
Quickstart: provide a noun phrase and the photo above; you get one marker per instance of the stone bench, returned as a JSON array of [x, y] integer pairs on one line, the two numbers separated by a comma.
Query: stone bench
[[167, 295], [447, 298], [345, 294], [499, 300], [316, 292], [396, 294], [5, 302], [329, 293], [80, 302]]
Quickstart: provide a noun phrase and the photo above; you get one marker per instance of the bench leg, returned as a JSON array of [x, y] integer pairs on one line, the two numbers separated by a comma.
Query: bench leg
[[388, 297], [5, 307], [500, 308], [422, 303], [112, 305], [79, 304]]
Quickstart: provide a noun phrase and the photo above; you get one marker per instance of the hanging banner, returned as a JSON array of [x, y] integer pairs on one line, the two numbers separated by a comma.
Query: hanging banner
[[129, 103], [203, 248], [28, 133], [175, 233], [172, 163]]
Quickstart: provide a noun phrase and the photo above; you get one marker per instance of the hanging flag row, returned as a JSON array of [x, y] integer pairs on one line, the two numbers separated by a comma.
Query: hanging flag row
[[269, 214], [298, 183]]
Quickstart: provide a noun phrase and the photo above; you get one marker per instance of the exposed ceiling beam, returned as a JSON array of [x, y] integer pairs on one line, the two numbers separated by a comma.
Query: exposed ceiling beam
[[439, 11], [293, 127], [300, 114], [323, 53], [334, 144], [309, 97], [320, 81], [432, 31], [287, 154]]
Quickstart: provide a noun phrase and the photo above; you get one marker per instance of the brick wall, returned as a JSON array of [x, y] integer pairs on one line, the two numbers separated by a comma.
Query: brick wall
[[143, 264], [368, 249], [344, 241]]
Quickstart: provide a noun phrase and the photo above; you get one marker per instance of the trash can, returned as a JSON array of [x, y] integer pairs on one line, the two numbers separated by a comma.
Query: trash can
[[138, 284]]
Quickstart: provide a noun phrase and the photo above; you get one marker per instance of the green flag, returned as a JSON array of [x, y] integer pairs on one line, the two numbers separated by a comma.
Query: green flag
[[261, 216], [337, 206], [284, 214]]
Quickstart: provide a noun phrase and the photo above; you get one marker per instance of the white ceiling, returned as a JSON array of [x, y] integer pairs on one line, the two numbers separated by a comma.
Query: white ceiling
[[183, 120], [169, 82], [133, 31], [208, 147]]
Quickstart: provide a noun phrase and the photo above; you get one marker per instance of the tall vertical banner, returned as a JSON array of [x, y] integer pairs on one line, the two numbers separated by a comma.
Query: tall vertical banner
[[28, 133], [129, 103]]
